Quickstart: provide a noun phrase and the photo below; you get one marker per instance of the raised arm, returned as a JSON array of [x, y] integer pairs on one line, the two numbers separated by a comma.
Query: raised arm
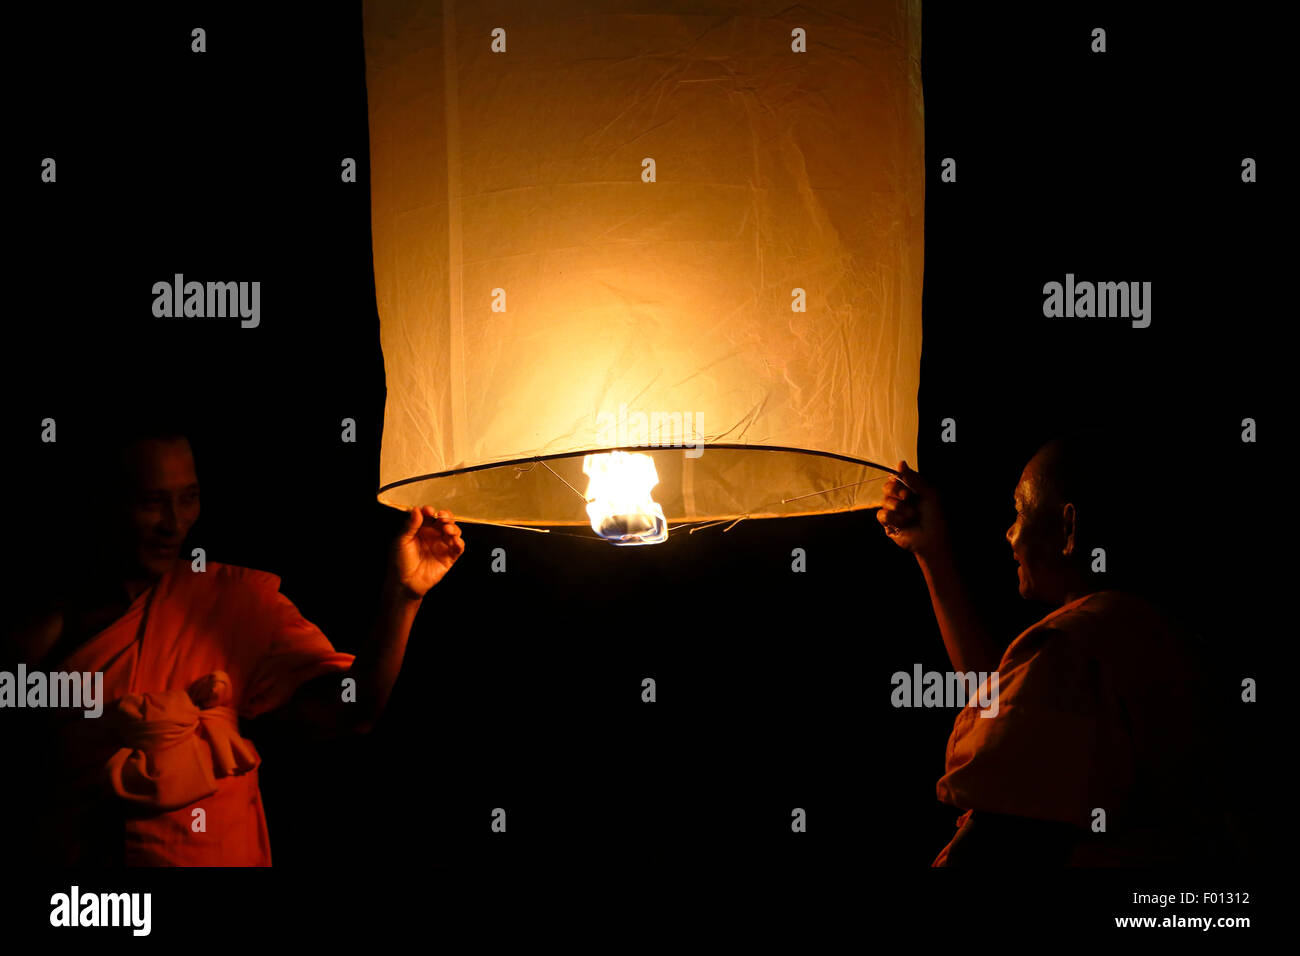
[[912, 517], [424, 551]]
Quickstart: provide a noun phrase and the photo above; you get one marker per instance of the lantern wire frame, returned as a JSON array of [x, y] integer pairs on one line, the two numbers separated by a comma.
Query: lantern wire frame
[[526, 465]]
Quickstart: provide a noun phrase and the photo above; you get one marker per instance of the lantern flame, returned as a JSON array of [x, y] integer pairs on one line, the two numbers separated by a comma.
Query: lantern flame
[[619, 503]]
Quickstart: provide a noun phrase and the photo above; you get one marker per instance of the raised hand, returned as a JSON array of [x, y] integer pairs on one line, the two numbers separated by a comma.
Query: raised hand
[[425, 550], [911, 514]]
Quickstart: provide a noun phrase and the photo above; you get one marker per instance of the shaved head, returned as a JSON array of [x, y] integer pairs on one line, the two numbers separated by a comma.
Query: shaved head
[[1075, 496], [1073, 469]]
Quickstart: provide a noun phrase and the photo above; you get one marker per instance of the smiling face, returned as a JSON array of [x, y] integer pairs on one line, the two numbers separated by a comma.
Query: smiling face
[[161, 502], [1042, 536]]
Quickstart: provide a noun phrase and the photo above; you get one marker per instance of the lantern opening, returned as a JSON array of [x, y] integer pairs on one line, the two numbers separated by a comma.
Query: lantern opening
[[727, 482], [619, 502]]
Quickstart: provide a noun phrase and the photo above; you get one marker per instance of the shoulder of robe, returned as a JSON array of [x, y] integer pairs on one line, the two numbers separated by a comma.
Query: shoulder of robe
[[1121, 625], [1073, 632], [1101, 609], [233, 578]]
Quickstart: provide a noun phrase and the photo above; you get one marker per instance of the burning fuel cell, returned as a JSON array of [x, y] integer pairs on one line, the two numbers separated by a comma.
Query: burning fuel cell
[[619, 500]]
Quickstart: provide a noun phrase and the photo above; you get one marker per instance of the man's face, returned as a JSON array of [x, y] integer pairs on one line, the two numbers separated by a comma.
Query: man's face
[[1035, 538], [162, 501]]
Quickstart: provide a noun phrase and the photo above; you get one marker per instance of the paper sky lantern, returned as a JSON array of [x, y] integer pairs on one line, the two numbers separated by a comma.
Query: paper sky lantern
[[691, 236]]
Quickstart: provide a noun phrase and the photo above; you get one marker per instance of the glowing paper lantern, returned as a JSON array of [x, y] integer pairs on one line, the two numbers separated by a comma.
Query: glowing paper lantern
[[695, 235]]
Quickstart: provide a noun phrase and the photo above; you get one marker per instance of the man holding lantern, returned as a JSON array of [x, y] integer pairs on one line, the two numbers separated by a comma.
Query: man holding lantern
[[1097, 753], [164, 778]]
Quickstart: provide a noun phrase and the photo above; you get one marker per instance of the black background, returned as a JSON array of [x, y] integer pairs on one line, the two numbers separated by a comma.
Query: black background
[[522, 690]]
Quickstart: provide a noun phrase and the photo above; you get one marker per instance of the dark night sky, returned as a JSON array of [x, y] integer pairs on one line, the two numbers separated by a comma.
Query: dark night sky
[[521, 690]]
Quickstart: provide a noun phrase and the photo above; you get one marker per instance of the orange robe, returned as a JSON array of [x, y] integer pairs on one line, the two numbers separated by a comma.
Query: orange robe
[[1101, 704], [191, 656]]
